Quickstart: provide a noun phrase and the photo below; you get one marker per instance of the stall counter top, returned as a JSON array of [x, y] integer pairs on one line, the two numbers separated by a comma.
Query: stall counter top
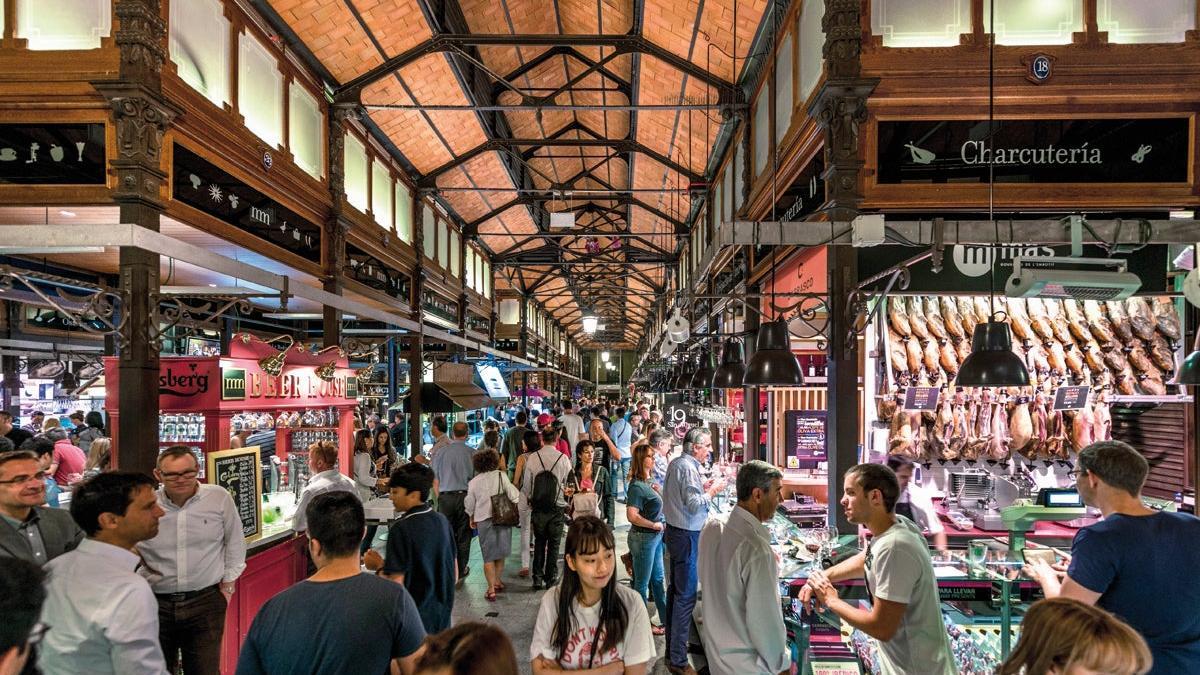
[[263, 543]]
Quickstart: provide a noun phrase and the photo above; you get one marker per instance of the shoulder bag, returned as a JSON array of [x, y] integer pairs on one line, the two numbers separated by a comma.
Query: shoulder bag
[[504, 510]]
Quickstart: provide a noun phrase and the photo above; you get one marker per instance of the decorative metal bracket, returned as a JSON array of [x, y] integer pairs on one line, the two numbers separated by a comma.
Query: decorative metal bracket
[[79, 309]]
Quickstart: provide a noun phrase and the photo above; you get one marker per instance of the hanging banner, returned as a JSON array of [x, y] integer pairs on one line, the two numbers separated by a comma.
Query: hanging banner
[[52, 154], [965, 268], [1144, 150]]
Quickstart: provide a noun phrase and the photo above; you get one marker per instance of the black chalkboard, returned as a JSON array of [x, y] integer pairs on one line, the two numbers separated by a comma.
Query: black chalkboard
[[806, 435], [238, 472], [1071, 398], [921, 398]]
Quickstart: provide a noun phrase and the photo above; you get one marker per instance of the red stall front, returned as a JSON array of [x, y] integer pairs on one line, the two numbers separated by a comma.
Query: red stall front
[[280, 401]]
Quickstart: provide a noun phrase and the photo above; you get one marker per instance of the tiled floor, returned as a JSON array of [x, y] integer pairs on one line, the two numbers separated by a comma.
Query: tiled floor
[[515, 610]]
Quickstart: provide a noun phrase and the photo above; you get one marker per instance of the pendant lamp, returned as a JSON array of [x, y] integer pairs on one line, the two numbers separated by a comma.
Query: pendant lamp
[[773, 363], [704, 374], [686, 371], [992, 362], [732, 371], [1189, 370]]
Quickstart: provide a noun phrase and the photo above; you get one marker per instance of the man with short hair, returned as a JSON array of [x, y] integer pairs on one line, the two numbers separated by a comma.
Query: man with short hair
[[44, 449], [743, 628], [28, 530], [199, 553], [339, 620], [37, 418], [420, 548], [599, 413], [905, 617], [572, 424], [324, 477], [1134, 552], [546, 523], [69, 460], [662, 441], [453, 468], [15, 434], [21, 598], [686, 496], [915, 503], [103, 612], [437, 429], [512, 444], [621, 432]]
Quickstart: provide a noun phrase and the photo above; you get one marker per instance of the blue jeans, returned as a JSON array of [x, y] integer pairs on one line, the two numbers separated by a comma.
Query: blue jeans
[[622, 470], [647, 550], [683, 546]]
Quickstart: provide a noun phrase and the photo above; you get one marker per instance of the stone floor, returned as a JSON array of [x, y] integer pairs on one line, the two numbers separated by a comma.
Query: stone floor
[[515, 610]]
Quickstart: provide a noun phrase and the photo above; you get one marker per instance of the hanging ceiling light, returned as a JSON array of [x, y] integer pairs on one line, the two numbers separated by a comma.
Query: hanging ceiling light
[[683, 380], [590, 321], [773, 363], [992, 362], [67, 381], [604, 356], [704, 374], [732, 371]]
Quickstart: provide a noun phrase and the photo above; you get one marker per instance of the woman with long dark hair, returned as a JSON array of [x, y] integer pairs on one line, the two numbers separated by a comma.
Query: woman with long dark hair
[[589, 622], [384, 454], [588, 477]]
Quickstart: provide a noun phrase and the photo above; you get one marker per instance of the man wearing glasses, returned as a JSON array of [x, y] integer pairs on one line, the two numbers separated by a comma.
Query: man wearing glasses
[[1133, 557], [198, 554], [905, 616], [21, 598], [28, 530]]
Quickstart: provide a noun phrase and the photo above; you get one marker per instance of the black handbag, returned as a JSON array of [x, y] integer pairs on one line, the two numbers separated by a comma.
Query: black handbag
[[504, 510]]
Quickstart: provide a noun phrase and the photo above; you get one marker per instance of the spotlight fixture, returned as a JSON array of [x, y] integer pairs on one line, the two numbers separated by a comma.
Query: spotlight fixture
[[773, 363]]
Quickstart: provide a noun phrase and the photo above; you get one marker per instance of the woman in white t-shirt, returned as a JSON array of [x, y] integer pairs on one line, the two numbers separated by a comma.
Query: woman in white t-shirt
[[589, 622]]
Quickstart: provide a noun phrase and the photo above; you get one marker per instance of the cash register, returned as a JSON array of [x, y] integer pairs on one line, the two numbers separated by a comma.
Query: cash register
[[1058, 504]]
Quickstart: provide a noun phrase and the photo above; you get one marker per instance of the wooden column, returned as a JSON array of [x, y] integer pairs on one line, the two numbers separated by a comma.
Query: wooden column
[[841, 109], [140, 116], [333, 248], [416, 358]]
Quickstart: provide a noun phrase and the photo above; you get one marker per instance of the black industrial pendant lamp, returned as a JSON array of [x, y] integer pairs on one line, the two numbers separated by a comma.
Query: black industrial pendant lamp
[[704, 374], [1189, 371], [732, 371], [992, 362], [773, 363], [683, 377]]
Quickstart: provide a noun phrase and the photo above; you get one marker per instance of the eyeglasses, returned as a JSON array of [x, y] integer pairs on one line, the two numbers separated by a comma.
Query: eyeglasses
[[1076, 473], [182, 475], [35, 636], [21, 480]]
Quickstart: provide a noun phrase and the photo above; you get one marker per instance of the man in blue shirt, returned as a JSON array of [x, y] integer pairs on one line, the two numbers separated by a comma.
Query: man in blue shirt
[[621, 433], [686, 496], [453, 468], [1134, 555]]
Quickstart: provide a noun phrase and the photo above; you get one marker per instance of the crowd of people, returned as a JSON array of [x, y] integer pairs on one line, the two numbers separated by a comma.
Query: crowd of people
[[136, 577]]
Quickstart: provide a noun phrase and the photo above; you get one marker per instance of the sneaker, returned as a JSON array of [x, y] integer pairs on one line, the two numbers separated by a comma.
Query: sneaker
[[537, 585]]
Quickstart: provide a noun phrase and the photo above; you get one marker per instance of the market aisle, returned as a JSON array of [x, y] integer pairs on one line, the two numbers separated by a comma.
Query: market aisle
[[515, 610]]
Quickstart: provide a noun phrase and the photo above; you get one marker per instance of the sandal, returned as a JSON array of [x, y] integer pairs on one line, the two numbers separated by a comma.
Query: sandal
[[500, 586], [523, 573], [490, 596]]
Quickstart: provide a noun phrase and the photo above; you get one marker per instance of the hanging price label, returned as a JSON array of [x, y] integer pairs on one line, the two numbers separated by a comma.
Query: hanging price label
[[921, 398], [1071, 398]]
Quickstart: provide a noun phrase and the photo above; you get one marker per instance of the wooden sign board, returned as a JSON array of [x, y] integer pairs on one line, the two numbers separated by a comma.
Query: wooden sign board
[[239, 472]]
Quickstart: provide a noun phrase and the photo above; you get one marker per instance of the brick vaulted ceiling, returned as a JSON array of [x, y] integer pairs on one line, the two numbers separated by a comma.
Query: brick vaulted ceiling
[[429, 74]]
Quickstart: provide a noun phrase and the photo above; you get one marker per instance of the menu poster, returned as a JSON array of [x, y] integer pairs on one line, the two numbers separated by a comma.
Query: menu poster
[[1071, 398], [239, 472], [921, 398], [805, 434]]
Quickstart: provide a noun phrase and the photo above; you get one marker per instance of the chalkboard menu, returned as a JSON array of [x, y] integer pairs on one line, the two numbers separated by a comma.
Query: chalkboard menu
[[921, 398], [239, 472], [805, 435]]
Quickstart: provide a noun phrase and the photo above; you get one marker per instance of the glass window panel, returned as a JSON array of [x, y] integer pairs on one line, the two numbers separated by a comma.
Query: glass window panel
[[920, 23], [404, 224], [729, 200], [260, 90], [63, 24], [479, 273], [200, 47], [355, 158], [1035, 22], [428, 232], [381, 195], [761, 131], [812, 41], [469, 272], [719, 201], [487, 279], [455, 264], [443, 245], [1138, 21], [739, 163], [783, 87], [306, 128]]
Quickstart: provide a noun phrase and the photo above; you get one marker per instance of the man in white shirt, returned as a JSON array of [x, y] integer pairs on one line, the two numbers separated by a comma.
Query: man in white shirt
[[905, 616], [915, 503], [742, 623], [197, 556], [324, 477], [103, 613], [572, 424]]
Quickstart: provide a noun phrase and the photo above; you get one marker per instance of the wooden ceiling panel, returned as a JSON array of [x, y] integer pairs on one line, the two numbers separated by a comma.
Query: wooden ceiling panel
[[330, 31], [398, 25]]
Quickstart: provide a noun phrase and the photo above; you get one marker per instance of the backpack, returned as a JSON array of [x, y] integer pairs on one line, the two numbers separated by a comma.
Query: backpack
[[585, 504], [543, 498]]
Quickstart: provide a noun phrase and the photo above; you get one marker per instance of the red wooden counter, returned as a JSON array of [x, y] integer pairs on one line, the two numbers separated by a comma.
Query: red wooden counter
[[272, 564]]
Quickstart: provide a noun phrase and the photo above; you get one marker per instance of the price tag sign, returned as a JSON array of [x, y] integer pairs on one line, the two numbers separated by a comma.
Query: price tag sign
[[835, 668], [1071, 398], [921, 398]]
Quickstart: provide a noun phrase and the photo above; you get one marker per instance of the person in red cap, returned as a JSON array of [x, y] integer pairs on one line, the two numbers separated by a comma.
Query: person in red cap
[[544, 420]]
